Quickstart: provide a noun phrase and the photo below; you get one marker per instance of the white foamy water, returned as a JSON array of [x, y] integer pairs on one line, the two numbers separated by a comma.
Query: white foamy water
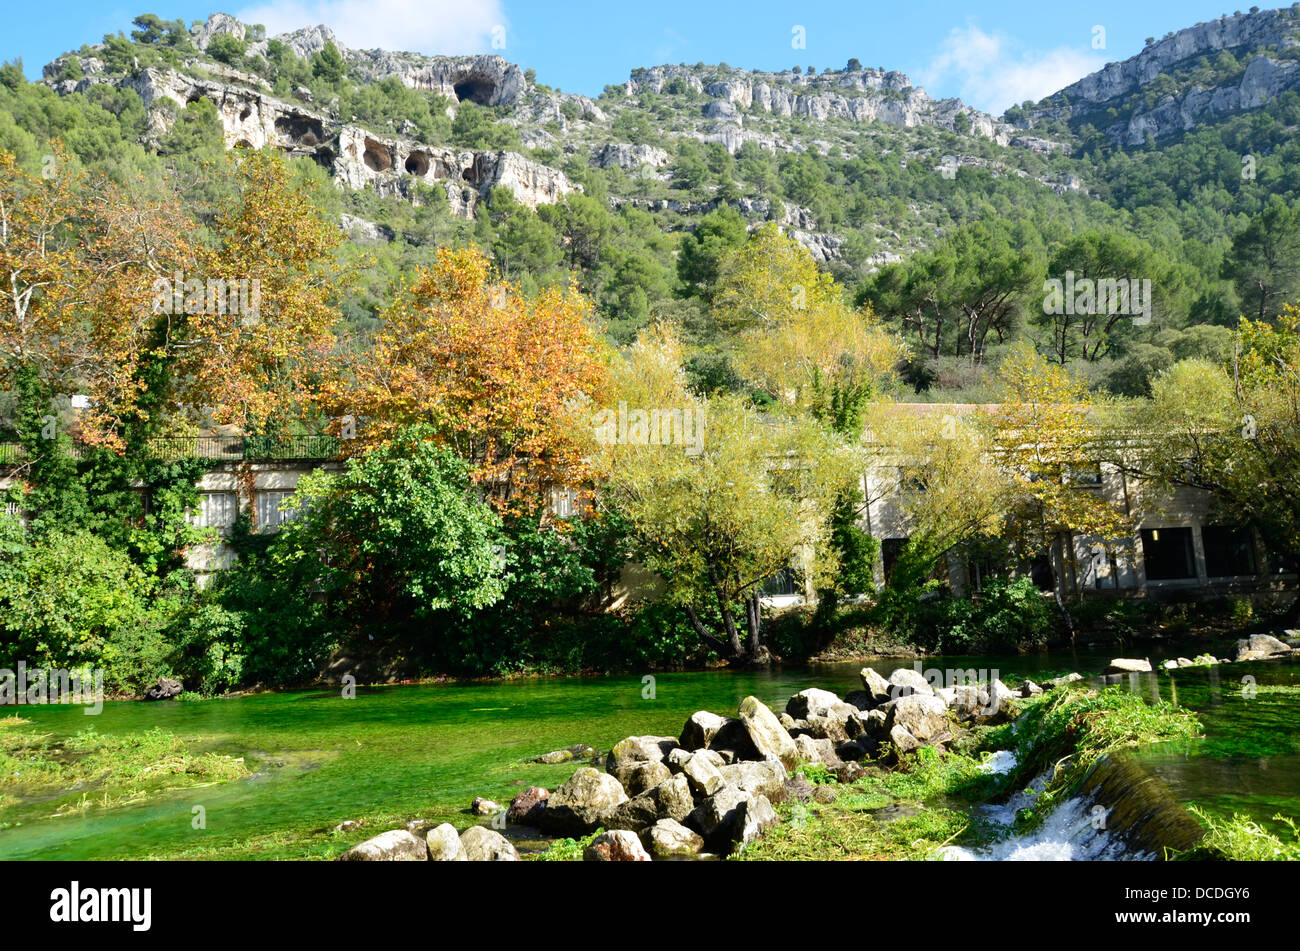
[[1003, 761], [1074, 832]]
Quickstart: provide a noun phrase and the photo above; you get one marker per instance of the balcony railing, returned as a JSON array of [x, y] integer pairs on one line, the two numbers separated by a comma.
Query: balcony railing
[[223, 448]]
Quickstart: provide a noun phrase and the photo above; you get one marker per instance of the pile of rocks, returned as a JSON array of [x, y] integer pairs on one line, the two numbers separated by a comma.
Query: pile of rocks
[[712, 790]]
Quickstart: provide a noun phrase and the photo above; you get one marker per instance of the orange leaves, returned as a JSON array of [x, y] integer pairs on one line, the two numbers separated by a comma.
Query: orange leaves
[[78, 257], [256, 365], [504, 378]]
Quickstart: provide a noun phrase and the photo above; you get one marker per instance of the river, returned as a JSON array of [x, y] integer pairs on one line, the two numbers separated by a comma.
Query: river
[[426, 751]]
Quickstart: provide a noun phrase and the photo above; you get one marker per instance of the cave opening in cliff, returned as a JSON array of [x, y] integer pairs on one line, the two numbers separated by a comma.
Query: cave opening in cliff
[[377, 156], [417, 163], [300, 130], [475, 90]]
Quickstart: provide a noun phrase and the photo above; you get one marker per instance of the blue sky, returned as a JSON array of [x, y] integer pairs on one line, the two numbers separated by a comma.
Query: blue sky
[[990, 54]]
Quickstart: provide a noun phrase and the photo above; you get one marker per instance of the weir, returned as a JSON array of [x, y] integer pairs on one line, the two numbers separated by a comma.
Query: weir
[[1121, 813], [1141, 810]]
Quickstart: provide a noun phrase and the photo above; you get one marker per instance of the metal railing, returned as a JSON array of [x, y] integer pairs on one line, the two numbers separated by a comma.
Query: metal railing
[[230, 448]]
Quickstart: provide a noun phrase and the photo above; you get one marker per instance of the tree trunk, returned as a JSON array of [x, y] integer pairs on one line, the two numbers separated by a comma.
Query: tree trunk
[[755, 612]]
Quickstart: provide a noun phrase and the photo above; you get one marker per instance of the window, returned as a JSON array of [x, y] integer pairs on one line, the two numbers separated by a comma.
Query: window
[[890, 550], [1229, 551], [914, 478], [269, 515], [781, 584], [216, 510], [564, 503], [1083, 476], [1168, 554]]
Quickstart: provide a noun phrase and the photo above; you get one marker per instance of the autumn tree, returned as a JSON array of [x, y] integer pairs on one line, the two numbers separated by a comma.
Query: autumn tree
[[505, 379], [718, 517], [798, 339], [259, 365], [951, 491], [79, 256], [1043, 436]]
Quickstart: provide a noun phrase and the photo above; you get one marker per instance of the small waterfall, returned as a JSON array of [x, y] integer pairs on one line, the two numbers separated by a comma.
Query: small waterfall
[[1122, 813]]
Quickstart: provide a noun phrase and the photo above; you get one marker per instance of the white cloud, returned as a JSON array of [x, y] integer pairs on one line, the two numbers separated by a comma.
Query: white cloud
[[989, 72], [433, 27]]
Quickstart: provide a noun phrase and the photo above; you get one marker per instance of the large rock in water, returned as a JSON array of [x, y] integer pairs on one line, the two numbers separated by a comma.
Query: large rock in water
[[444, 844], [527, 806], [617, 846], [700, 730], [766, 733], [706, 730], [578, 806], [1260, 646], [1128, 665], [924, 717], [395, 846], [481, 844]]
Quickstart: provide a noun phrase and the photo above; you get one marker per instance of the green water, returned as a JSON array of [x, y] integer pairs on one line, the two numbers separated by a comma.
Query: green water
[[1249, 761], [426, 751]]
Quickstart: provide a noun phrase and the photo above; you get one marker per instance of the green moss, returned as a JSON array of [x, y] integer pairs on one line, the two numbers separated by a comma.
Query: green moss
[[90, 770]]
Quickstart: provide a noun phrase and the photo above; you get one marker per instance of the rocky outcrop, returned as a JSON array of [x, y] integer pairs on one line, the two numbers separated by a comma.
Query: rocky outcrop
[[357, 158], [625, 156], [865, 95], [1263, 80]]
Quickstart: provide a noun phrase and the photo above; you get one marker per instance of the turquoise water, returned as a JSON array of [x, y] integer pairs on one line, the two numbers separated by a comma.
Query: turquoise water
[[425, 751]]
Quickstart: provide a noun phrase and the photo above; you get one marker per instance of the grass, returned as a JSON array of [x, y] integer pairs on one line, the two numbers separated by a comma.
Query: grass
[[1067, 731], [568, 850], [1242, 839], [92, 770]]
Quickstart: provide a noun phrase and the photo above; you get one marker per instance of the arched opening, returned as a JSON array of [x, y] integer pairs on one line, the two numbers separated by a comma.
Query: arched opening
[[475, 90], [300, 130], [377, 156], [243, 144], [417, 163]]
